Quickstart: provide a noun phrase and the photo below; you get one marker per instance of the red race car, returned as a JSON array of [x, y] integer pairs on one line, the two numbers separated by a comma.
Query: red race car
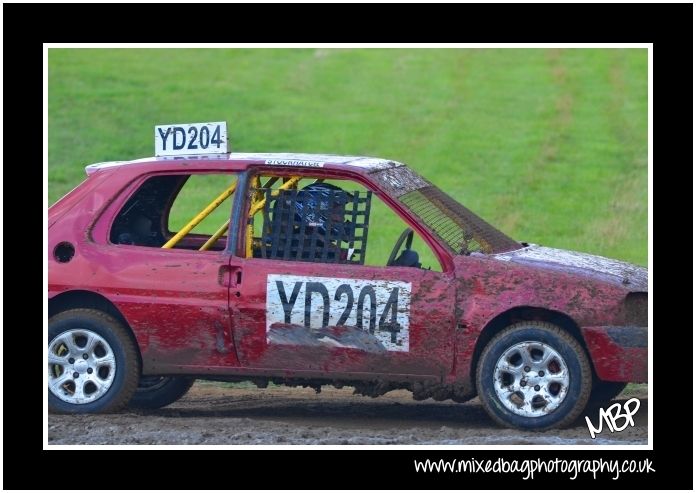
[[153, 282]]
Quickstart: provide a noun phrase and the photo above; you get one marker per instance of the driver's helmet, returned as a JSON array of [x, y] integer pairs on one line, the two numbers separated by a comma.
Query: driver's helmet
[[318, 204]]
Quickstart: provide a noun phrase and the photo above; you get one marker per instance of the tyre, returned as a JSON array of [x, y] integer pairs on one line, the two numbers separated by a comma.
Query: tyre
[[93, 363], [534, 376], [602, 394], [156, 392]]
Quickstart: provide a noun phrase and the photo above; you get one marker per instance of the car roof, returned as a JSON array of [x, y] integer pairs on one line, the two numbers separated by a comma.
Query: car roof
[[267, 159]]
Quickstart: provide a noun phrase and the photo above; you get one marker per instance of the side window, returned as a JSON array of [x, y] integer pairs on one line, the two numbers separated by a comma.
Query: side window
[[328, 221], [387, 230], [177, 211]]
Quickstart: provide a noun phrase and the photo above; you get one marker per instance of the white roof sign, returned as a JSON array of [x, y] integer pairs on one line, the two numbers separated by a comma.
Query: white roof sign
[[191, 138]]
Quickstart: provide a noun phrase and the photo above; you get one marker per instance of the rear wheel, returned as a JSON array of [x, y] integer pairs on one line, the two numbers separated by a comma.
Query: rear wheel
[[154, 392], [533, 375], [92, 363]]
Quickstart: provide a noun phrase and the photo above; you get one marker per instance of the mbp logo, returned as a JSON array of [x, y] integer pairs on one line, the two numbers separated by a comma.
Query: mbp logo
[[614, 414]]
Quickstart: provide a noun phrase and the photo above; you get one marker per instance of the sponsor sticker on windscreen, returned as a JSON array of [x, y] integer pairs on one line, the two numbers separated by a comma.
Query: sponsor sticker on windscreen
[[191, 138]]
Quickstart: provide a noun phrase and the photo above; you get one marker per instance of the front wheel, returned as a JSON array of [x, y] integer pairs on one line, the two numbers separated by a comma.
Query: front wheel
[[155, 392], [534, 376]]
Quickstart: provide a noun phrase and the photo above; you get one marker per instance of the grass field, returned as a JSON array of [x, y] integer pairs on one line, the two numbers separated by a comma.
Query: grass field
[[548, 145]]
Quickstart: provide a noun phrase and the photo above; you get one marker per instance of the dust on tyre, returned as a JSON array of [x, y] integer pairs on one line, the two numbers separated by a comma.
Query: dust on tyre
[[534, 375], [92, 363]]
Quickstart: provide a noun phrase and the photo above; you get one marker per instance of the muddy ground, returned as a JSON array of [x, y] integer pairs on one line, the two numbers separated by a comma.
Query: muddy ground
[[217, 414]]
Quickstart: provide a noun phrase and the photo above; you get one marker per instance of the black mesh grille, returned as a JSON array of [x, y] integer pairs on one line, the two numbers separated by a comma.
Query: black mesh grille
[[287, 236], [462, 230]]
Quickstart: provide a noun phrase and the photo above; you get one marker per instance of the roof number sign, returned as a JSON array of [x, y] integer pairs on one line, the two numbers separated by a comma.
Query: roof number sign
[[191, 138]]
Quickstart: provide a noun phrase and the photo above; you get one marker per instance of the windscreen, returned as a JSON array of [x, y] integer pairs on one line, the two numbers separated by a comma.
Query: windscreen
[[459, 228]]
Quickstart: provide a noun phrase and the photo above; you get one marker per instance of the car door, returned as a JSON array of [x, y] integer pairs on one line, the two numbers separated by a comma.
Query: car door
[[313, 318], [177, 304], [176, 298], [305, 317]]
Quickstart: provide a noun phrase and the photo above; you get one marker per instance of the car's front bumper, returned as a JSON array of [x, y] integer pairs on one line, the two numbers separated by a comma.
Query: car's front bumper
[[619, 354]]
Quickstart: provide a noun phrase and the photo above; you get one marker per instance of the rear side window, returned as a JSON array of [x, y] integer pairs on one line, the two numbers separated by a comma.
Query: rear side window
[[177, 211], [195, 195]]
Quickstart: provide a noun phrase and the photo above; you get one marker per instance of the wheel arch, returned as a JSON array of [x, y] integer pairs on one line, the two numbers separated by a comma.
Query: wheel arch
[[524, 314], [69, 300]]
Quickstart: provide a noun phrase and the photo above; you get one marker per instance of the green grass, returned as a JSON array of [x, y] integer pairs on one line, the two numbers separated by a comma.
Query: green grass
[[548, 145], [639, 390], [245, 385]]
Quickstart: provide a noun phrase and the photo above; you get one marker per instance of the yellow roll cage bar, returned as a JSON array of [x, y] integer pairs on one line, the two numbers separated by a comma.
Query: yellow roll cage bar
[[257, 203], [200, 216]]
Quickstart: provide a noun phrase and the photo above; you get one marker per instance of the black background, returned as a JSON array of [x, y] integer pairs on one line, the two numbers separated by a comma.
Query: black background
[[26, 27]]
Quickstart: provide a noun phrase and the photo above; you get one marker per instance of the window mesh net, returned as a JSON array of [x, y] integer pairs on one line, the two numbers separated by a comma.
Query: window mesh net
[[335, 232]]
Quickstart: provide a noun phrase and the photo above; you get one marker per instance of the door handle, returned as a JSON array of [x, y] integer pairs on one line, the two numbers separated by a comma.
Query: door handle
[[224, 276], [230, 277]]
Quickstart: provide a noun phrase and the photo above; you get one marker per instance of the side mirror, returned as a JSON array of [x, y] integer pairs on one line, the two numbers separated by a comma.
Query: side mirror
[[408, 258]]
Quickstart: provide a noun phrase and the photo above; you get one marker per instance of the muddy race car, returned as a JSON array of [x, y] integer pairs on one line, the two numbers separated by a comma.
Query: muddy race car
[[283, 286]]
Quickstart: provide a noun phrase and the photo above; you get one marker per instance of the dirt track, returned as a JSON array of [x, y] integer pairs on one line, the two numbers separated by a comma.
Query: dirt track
[[211, 414]]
